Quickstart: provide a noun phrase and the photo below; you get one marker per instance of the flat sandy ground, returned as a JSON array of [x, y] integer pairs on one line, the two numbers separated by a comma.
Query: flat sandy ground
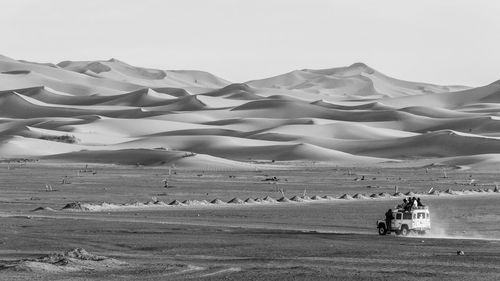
[[326, 240]]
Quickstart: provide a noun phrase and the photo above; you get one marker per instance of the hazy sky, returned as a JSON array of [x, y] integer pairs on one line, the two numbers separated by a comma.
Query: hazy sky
[[438, 41]]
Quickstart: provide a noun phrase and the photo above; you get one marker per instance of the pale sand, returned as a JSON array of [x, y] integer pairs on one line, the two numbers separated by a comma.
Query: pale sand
[[76, 111]]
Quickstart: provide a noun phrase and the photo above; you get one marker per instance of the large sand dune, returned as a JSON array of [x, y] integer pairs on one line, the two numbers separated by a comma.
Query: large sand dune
[[110, 111], [355, 81]]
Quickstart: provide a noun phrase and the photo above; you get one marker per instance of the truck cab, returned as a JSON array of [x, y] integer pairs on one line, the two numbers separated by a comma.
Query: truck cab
[[417, 220]]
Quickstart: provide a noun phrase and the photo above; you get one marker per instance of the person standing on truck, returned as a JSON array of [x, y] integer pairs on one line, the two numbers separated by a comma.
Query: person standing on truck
[[409, 205], [388, 219], [419, 204], [403, 206]]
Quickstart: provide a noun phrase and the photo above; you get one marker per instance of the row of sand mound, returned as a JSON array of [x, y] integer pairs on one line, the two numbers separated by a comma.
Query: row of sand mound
[[79, 206]]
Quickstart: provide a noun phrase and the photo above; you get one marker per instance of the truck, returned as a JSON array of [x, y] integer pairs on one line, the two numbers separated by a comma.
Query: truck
[[416, 220]]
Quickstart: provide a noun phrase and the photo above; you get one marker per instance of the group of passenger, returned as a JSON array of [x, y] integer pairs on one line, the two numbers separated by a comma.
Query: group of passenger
[[407, 206], [411, 203]]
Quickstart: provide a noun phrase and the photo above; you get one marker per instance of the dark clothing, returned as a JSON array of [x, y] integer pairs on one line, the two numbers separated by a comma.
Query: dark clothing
[[419, 203], [409, 205], [388, 219]]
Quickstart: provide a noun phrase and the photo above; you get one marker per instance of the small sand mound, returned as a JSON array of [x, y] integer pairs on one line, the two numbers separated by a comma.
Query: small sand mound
[[384, 195], [250, 201], [398, 194], [269, 199], [316, 197], [217, 201], [190, 202], [374, 195], [496, 189], [284, 200], [346, 197], [81, 254], [39, 209], [71, 261], [136, 203], [176, 203], [359, 196], [306, 198], [410, 193], [451, 192], [488, 190], [236, 200], [75, 206], [296, 199], [328, 197]]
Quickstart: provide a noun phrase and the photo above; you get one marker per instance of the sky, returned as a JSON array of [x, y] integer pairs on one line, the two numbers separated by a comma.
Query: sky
[[452, 42]]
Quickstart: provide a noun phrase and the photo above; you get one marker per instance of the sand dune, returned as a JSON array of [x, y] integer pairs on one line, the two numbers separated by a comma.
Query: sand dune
[[445, 143], [110, 111], [342, 130], [180, 159], [479, 160], [355, 81], [235, 91], [18, 147], [114, 69], [18, 74], [451, 100]]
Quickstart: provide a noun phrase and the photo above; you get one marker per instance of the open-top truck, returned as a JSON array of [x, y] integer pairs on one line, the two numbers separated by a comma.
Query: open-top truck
[[417, 220]]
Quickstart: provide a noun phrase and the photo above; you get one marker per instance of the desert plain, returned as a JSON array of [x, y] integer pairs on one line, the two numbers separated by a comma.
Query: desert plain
[[114, 172]]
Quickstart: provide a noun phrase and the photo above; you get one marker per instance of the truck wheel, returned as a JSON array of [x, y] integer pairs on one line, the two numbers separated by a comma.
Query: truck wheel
[[382, 230], [404, 230]]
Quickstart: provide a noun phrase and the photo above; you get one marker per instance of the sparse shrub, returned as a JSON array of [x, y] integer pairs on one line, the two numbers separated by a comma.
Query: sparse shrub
[[63, 138]]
